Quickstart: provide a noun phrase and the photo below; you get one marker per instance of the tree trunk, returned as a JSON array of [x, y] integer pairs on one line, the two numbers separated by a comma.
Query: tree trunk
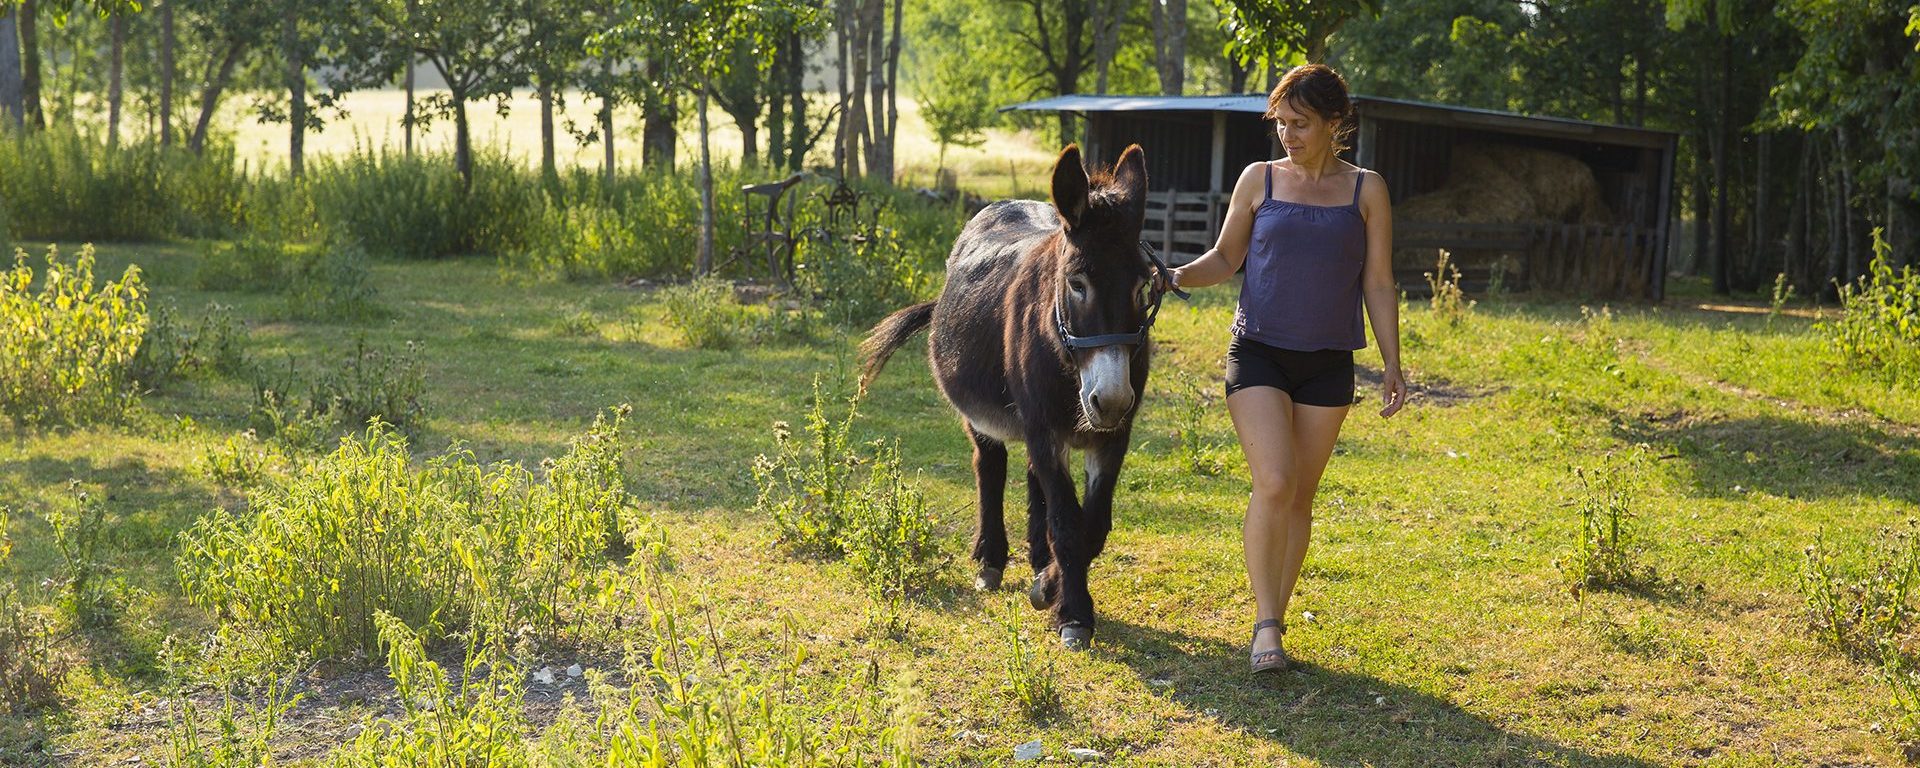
[[854, 119], [210, 98], [1856, 265], [799, 140], [658, 113], [548, 170], [893, 95], [873, 126], [1170, 45], [1760, 236], [116, 75], [167, 35], [1702, 208], [1237, 75], [606, 134], [1722, 141], [843, 63], [1836, 221], [1903, 221], [462, 139], [1106, 16], [407, 117], [1793, 260], [296, 88], [13, 111], [29, 22], [776, 93], [703, 256]]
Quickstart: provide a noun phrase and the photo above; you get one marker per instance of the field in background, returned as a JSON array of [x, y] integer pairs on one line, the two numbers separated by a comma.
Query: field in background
[[1012, 162]]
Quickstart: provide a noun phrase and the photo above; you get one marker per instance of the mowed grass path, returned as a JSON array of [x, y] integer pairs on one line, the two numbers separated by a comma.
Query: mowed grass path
[[1442, 632]]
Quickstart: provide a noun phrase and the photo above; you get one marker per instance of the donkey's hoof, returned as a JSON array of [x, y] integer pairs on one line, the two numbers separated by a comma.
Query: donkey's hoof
[[1076, 637], [1037, 595], [988, 579]]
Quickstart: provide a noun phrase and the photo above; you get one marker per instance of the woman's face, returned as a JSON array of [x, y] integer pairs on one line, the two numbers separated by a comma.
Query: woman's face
[[1303, 132]]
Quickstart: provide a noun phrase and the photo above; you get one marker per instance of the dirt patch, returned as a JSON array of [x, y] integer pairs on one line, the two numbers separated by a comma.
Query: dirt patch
[[1436, 392], [1809, 313]]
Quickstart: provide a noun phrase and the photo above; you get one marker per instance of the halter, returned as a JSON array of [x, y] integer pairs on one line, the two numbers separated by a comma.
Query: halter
[[1138, 337]]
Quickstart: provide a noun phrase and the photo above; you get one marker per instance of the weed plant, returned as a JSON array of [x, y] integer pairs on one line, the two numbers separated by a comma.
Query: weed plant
[[417, 207], [239, 462], [370, 383], [1030, 674], [1607, 553], [90, 593], [705, 313], [243, 733], [360, 532], [65, 345], [890, 539], [1873, 618], [1782, 293], [1879, 325], [1449, 303], [805, 485], [1197, 452], [170, 349]]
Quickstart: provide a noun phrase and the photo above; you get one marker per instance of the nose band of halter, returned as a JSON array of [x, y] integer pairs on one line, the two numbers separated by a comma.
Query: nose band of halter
[[1137, 337]]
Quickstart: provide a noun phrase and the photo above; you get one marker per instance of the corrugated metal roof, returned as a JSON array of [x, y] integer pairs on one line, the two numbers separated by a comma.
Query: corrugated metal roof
[[1257, 104], [1080, 102]]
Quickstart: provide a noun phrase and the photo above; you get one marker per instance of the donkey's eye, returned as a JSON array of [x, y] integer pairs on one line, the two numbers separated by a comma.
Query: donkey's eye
[[1079, 287]]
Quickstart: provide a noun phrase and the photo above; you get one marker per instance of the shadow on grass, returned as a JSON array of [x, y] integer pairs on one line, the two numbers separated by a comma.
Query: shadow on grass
[[1784, 456], [1332, 716]]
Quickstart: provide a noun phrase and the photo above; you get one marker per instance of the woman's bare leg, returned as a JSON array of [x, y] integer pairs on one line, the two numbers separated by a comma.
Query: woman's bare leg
[[1263, 418], [1315, 428]]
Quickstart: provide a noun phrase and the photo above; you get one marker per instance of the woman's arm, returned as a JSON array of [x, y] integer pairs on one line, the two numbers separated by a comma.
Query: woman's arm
[[1378, 291], [1216, 265]]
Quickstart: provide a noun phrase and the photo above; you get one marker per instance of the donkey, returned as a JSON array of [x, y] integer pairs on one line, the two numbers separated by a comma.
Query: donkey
[[1023, 279]]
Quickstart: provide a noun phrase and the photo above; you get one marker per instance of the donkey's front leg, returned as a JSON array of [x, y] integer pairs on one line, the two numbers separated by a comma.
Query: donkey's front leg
[[1066, 579], [990, 528], [1103, 475]]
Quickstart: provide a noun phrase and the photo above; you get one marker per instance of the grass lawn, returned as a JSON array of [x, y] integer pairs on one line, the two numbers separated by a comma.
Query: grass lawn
[[1442, 632]]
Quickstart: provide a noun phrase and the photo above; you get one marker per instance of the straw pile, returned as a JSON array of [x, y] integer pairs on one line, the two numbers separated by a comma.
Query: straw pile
[[1504, 184]]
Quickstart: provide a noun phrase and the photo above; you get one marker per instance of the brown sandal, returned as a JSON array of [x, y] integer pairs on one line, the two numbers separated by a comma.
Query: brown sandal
[[1269, 661]]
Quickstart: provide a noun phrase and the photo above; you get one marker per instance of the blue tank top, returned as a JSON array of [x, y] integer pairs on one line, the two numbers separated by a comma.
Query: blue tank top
[[1302, 288]]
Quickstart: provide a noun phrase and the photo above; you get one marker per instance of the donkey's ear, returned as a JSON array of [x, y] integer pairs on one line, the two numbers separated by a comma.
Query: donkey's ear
[[1130, 175], [1070, 187]]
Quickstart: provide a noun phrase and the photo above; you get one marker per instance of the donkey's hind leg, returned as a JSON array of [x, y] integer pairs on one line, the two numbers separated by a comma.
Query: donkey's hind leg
[[990, 528]]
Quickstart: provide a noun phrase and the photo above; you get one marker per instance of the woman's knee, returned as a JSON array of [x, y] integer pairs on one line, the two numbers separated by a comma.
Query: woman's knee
[[1276, 490]]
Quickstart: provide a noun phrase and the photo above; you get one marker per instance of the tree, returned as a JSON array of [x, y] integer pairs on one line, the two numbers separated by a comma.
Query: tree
[[699, 38], [478, 49], [226, 30], [554, 50], [1170, 44], [954, 102], [1272, 30]]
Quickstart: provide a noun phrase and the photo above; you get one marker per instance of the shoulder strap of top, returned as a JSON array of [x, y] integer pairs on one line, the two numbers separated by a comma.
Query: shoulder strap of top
[[1268, 167], [1356, 187]]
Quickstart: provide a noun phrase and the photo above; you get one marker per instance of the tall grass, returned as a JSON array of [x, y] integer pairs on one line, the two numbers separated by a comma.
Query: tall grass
[[418, 207], [66, 184], [65, 345], [31, 667], [361, 532]]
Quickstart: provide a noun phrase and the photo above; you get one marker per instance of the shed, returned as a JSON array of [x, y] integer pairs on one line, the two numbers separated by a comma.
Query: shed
[[1527, 201]]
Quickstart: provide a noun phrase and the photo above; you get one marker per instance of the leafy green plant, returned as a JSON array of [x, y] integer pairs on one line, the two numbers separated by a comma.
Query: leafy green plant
[[1874, 616], [244, 732], [30, 666], [360, 532], [335, 283], [1879, 324], [417, 207], [239, 462], [476, 718], [65, 183], [65, 346], [1607, 552], [370, 383], [170, 349], [251, 263]]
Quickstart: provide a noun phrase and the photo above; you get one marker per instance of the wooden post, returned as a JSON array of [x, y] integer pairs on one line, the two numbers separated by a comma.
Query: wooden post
[[1659, 278], [1219, 167], [1166, 231]]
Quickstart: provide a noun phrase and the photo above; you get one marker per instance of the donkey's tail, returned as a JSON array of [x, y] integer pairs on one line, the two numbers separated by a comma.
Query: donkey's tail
[[889, 336]]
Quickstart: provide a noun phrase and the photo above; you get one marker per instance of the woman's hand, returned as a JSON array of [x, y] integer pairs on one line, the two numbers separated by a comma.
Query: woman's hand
[[1166, 280], [1393, 393]]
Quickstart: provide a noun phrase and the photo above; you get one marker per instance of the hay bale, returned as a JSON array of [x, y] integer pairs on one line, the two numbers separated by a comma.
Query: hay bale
[[1493, 184]]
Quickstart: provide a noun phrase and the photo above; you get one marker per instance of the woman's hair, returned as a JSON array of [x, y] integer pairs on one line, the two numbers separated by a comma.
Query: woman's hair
[[1319, 88]]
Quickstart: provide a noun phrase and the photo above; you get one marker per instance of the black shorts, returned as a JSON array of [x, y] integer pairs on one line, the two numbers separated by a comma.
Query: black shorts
[[1323, 377]]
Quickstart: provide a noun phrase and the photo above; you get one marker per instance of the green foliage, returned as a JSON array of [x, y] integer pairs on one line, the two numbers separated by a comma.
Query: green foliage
[[336, 282], [956, 102], [1879, 325], [216, 344], [370, 383], [419, 208], [64, 184], [30, 667], [360, 533], [239, 462], [1782, 293], [65, 345], [890, 539], [640, 225], [1607, 552], [856, 277]]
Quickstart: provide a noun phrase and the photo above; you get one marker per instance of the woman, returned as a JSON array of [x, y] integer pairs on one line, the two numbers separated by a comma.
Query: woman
[[1317, 237]]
